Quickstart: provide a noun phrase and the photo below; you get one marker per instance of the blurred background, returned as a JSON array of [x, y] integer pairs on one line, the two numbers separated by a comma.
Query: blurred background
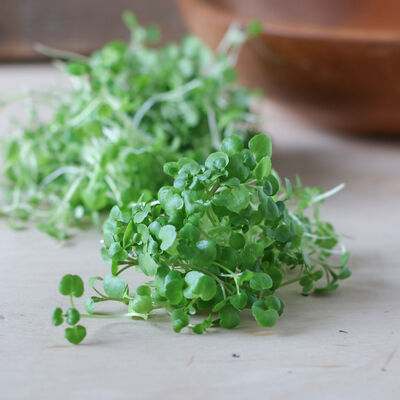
[[333, 62]]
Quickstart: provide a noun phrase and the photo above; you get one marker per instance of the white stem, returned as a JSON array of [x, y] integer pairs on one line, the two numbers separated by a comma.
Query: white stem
[[171, 95], [327, 194], [215, 139], [58, 172]]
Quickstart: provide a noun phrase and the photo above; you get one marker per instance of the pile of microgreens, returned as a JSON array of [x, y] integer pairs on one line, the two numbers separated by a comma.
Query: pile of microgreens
[[224, 237], [132, 108]]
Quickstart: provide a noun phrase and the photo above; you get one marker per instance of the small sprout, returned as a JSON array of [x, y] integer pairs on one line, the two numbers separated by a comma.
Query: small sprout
[[182, 100]]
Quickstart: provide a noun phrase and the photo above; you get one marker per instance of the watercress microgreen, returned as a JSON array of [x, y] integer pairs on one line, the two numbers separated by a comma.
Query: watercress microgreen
[[220, 239], [132, 108]]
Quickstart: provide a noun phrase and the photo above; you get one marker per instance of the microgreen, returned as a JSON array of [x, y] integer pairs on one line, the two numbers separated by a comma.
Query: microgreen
[[222, 238], [132, 108]]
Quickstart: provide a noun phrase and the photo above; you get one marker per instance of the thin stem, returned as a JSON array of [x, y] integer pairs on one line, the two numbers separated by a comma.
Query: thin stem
[[327, 194], [171, 95], [214, 188], [290, 281], [191, 303], [56, 53], [99, 293], [231, 274], [125, 268], [128, 315], [215, 138], [222, 284], [85, 112]]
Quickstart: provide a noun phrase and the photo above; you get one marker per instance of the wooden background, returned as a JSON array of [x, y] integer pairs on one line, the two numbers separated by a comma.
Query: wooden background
[[76, 25]]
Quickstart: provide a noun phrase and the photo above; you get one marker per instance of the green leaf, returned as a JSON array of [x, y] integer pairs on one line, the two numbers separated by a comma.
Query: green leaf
[[204, 253], [231, 145], [238, 199], [89, 305], [344, 259], [128, 234], [147, 264], [254, 28], [217, 161], [237, 169], [344, 273], [117, 253], [260, 281], [141, 215], [141, 304], [171, 168], [250, 253], [114, 286], [239, 300], [282, 233], [143, 290], [271, 185], [76, 334], [71, 285], [199, 285], [265, 318], [200, 328], [77, 68], [237, 240], [220, 305], [248, 159], [268, 208], [167, 235], [174, 291], [245, 276], [260, 146], [307, 283], [72, 316], [229, 317], [263, 168], [275, 303], [170, 201], [179, 320], [289, 189], [57, 316], [189, 233], [276, 275]]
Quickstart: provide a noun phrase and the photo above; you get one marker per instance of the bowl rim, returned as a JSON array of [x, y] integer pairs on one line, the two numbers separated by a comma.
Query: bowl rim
[[301, 31]]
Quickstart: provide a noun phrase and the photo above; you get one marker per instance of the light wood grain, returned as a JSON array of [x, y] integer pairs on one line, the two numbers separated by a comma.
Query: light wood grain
[[344, 345]]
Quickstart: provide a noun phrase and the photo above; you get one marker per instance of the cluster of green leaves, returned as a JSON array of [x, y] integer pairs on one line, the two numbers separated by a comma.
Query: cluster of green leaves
[[72, 286], [224, 237], [133, 107]]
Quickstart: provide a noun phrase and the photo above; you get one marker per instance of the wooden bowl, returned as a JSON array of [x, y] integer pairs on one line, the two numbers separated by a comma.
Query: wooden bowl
[[336, 62]]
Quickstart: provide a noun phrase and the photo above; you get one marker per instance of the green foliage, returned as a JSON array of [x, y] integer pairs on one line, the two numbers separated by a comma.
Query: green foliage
[[73, 316], [219, 240], [76, 334], [71, 285], [131, 109], [57, 317]]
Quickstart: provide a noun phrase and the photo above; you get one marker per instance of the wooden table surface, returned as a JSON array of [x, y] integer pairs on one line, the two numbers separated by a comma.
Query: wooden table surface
[[342, 345]]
